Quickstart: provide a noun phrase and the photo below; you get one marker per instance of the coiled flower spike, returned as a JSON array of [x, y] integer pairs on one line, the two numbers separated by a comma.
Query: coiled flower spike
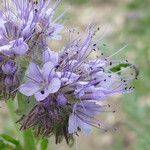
[[81, 84]]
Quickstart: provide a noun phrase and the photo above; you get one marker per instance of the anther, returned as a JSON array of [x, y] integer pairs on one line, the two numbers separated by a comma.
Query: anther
[[36, 10], [42, 92]]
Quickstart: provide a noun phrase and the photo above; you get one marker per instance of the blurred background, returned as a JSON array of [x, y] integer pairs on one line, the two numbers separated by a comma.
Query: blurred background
[[125, 22]]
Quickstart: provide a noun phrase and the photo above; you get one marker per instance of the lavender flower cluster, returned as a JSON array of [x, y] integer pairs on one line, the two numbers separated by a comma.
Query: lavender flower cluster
[[67, 85]]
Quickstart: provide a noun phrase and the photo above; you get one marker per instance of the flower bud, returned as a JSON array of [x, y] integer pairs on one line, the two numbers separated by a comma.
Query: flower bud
[[61, 100], [9, 68]]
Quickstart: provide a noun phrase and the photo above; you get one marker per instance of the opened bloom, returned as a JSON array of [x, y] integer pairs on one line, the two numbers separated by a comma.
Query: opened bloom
[[40, 82]]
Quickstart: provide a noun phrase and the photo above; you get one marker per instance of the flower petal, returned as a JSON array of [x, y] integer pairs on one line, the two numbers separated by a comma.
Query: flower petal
[[54, 85], [33, 73], [20, 47], [70, 78], [29, 88], [41, 95], [72, 126], [6, 49], [48, 70], [49, 55], [84, 126]]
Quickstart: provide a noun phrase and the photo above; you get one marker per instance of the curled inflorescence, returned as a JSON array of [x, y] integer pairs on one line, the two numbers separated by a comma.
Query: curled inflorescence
[[67, 85]]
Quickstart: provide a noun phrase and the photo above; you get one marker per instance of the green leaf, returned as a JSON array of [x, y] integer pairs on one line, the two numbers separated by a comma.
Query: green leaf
[[10, 139], [44, 143], [29, 141], [118, 67], [7, 142], [25, 104]]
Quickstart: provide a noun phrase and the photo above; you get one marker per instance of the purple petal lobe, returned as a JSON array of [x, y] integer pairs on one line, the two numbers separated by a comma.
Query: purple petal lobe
[[53, 87], [20, 47], [72, 126], [29, 88], [33, 73], [49, 55], [48, 70]]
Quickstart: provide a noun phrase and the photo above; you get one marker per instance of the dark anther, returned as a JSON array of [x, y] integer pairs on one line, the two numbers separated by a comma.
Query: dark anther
[[124, 80], [36, 10], [94, 44], [105, 80], [42, 92], [110, 63], [125, 88], [98, 28]]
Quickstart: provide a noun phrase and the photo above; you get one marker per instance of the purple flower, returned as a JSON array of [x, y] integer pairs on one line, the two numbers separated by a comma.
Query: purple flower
[[17, 48], [61, 99], [69, 86], [9, 79], [11, 82], [49, 55], [40, 82], [83, 116], [9, 68], [30, 19]]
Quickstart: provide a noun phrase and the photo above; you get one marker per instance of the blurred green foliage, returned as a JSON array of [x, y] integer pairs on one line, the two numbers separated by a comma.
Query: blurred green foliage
[[77, 1], [137, 28], [138, 4], [9, 143]]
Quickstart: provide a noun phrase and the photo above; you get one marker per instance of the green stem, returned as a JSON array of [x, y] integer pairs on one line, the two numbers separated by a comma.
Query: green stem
[[27, 136], [11, 108], [29, 141]]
